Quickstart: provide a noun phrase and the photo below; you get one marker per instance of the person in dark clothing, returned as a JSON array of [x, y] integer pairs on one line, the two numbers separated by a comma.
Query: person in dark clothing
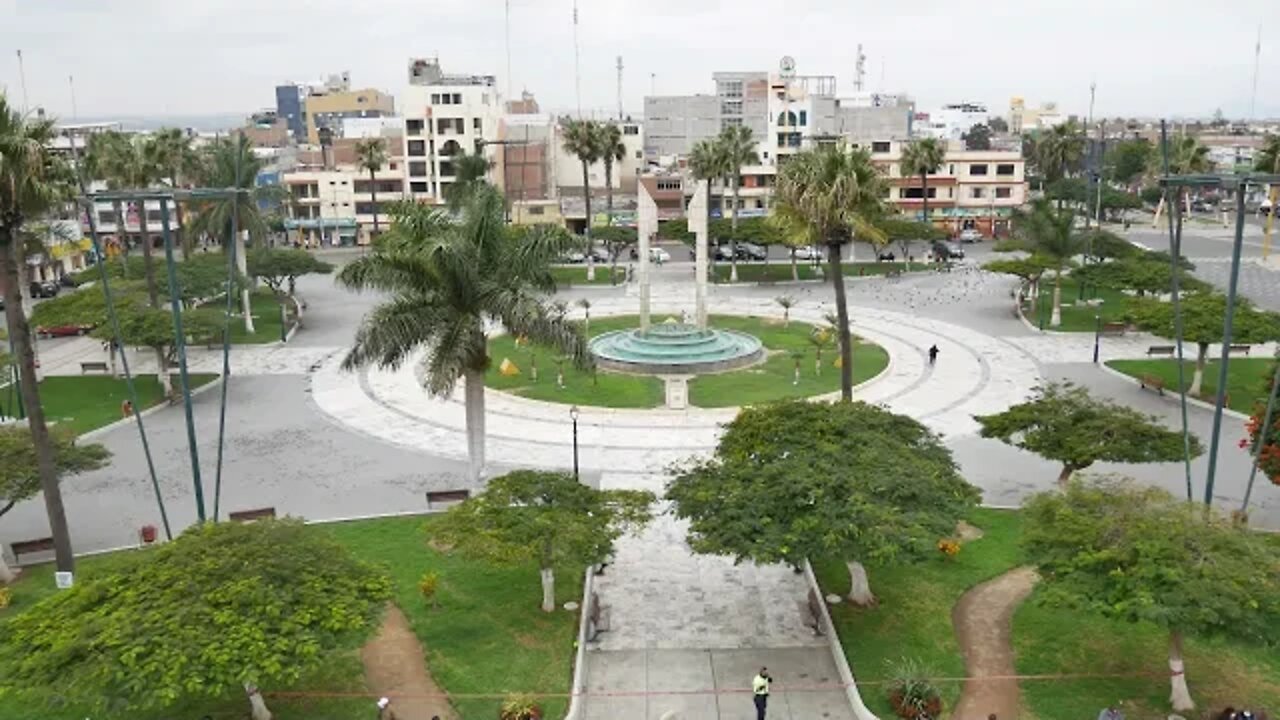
[[933, 354]]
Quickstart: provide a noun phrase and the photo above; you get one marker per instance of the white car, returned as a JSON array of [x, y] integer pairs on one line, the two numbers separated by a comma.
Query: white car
[[809, 252], [658, 255], [969, 235]]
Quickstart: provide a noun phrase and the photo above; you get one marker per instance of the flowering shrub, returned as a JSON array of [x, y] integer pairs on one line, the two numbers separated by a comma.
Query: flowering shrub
[[6, 596], [1269, 456], [427, 586], [949, 547]]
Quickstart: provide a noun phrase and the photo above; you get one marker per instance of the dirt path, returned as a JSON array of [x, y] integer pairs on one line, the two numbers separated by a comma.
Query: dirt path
[[395, 665], [982, 620]]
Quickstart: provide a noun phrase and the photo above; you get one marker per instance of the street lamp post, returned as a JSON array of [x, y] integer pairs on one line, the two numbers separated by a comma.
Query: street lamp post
[[1097, 336], [573, 414]]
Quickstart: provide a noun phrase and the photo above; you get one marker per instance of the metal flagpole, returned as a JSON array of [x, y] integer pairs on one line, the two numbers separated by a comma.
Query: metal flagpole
[[1175, 255], [180, 338]]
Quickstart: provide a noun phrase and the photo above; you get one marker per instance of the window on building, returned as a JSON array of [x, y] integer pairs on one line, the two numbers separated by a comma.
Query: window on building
[[639, 154], [886, 192], [1004, 193], [880, 146], [730, 88], [786, 119], [1004, 169], [630, 129], [418, 187], [804, 118], [413, 127], [977, 192], [418, 168], [457, 98], [107, 216], [668, 184], [475, 124], [915, 193], [951, 169], [417, 148], [484, 98], [537, 210], [978, 169], [435, 98], [730, 122], [446, 169]]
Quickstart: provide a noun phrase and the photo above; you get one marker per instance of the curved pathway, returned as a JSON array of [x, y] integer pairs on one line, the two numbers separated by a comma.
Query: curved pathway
[[982, 619]]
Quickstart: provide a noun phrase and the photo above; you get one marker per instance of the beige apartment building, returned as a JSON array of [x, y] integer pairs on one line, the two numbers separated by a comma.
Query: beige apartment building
[[329, 109], [335, 207]]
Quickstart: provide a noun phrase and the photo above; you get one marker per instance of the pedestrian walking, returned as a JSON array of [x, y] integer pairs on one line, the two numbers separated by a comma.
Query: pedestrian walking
[[384, 709], [933, 354], [760, 691]]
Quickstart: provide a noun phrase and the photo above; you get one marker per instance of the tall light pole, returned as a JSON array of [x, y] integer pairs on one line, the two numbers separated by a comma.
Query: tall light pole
[[573, 415], [577, 73]]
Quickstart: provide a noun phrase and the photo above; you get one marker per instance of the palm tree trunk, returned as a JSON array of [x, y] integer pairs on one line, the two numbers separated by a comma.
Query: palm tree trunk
[[608, 189], [924, 189], [184, 242], [242, 264], [257, 706], [24, 356], [7, 576], [1179, 693], [733, 225], [373, 190], [473, 388], [795, 268], [1055, 318], [148, 267], [1197, 378], [859, 586], [842, 313], [548, 574], [122, 236], [586, 198]]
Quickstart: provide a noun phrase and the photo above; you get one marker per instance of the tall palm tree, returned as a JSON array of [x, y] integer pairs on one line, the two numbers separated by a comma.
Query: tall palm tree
[[172, 153], [1187, 156], [470, 172], [32, 181], [923, 157], [582, 138], [371, 155], [1060, 150], [706, 162], [837, 193], [1049, 234], [737, 148], [449, 283], [129, 162], [611, 150], [230, 163]]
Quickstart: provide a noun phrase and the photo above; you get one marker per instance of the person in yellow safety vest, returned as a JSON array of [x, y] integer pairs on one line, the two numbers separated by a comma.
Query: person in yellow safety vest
[[760, 691]]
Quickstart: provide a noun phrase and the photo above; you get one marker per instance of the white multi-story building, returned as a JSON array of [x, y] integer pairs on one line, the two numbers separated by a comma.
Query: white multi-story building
[[1025, 119], [950, 122], [973, 189], [444, 117]]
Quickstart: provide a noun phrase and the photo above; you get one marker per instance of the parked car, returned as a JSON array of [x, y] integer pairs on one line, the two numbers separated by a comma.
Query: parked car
[[573, 257], [886, 256], [969, 235], [722, 253], [44, 289], [809, 252], [751, 251], [947, 250], [600, 255], [67, 280], [658, 255], [52, 331]]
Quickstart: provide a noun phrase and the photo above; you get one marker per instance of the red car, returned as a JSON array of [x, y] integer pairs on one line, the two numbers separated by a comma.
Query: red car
[[63, 331]]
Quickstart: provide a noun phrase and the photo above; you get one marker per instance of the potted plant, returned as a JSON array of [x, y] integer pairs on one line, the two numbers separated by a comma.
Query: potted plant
[[520, 707], [911, 694], [148, 534]]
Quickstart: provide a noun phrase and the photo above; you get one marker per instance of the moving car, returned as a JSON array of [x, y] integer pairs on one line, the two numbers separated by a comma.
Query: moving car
[[658, 255], [947, 250], [969, 235], [53, 331], [751, 251], [809, 252], [44, 289]]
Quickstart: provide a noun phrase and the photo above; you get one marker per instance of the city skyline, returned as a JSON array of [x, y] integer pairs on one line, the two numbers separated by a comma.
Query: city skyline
[[146, 58]]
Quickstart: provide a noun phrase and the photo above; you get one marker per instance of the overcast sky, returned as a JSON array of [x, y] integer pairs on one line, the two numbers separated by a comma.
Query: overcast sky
[[182, 57]]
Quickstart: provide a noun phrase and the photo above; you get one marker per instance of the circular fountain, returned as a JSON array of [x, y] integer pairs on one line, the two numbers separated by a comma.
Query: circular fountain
[[672, 348]]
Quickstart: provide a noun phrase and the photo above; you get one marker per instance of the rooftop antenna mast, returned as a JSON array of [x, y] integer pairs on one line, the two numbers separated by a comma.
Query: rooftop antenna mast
[[577, 75], [619, 87], [859, 70], [508, 7], [1257, 53], [22, 76], [71, 80]]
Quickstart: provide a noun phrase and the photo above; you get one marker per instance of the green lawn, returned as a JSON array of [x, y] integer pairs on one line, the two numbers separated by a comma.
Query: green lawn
[[570, 275], [87, 403], [266, 320], [771, 380], [1077, 318], [1247, 378], [487, 634], [781, 271], [913, 619]]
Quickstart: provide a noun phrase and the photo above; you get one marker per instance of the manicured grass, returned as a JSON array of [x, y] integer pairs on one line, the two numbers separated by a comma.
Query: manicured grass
[[1077, 318], [88, 403], [780, 271], [486, 634], [1247, 378], [913, 620], [266, 320], [570, 275], [771, 380]]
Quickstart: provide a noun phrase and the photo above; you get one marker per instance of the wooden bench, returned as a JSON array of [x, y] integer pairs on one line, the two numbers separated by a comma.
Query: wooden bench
[[1161, 350], [1151, 382], [93, 366], [251, 515], [598, 620], [29, 547], [811, 613], [1241, 348], [1113, 328], [446, 498]]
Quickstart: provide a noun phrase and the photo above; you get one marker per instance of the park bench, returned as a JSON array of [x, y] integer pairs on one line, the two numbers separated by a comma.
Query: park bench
[[30, 547], [1151, 382], [1114, 328], [251, 515], [811, 613], [1241, 348], [598, 620], [1161, 350], [93, 366], [440, 499]]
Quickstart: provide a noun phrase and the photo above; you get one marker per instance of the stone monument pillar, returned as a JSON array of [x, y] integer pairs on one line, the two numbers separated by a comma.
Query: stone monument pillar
[[646, 231], [698, 226]]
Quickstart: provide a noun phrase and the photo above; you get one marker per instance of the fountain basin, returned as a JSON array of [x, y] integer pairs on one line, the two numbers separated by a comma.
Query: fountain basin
[[675, 349]]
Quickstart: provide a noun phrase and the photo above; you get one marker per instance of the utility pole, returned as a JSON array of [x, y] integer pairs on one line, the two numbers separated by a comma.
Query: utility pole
[[510, 97], [1257, 54], [619, 88], [71, 80], [577, 71], [22, 77], [859, 70], [653, 83]]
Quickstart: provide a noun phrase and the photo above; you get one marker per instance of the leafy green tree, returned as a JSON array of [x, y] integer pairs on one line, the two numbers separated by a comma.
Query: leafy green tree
[[581, 138], [20, 471], [371, 155], [1030, 269], [1060, 150], [1138, 554], [280, 268], [1267, 158], [736, 148], [1050, 234], [544, 517], [836, 193], [616, 240], [1202, 324], [797, 480], [202, 277], [1063, 423], [1105, 245], [906, 232], [1139, 274], [998, 125], [274, 599], [786, 302], [172, 153], [447, 281], [611, 149], [1127, 160], [33, 181], [977, 138], [923, 157]]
